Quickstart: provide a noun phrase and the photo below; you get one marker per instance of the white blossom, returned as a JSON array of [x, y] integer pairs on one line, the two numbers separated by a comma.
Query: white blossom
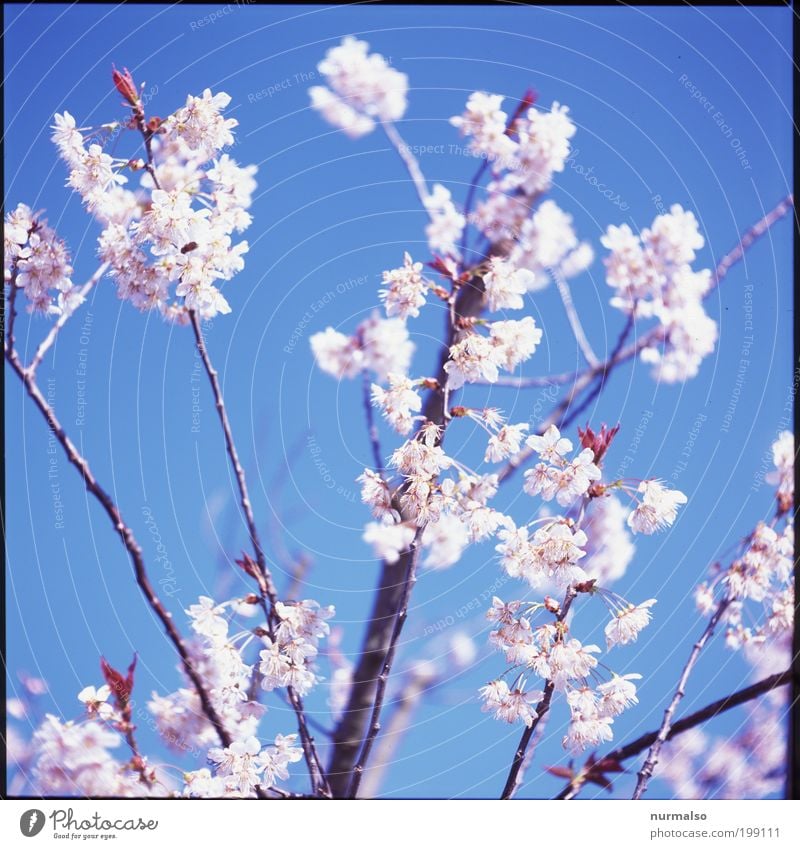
[[505, 285], [617, 694], [472, 359], [446, 224], [398, 402], [658, 508], [444, 541], [510, 705], [626, 624], [388, 541], [336, 353], [201, 125], [405, 289], [361, 88], [514, 340]]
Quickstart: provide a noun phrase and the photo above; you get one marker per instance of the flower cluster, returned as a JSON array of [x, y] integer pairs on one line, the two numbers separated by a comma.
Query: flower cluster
[[217, 657], [94, 174], [362, 88], [37, 261], [178, 227], [549, 555], [380, 345], [285, 662], [242, 767], [75, 759], [547, 650], [287, 659], [477, 358], [559, 552], [524, 153], [556, 477], [657, 509], [446, 223], [763, 572], [652, 276]]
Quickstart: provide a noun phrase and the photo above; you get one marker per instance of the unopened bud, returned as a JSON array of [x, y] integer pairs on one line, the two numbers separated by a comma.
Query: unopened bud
[[551, 604], [126, 86]]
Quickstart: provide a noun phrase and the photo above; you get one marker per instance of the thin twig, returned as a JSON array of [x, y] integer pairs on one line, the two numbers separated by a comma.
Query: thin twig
[[48, 340], [383, 678], [126, 535], [574, 318], [315, 768], [409, 160], [512, 782], [137, 760], [750, 236], [238, 469], [635, 747], [529, 382], [663, 732]]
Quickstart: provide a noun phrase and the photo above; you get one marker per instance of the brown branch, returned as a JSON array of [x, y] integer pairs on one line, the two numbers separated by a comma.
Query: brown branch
[[269, 596], [635, 747], [404, 704], [353, 724], [541, 709], [651, 760], [238, 469], [383, 678], [126, 535]]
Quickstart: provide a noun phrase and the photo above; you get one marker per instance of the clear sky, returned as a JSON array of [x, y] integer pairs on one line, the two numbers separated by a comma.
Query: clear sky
[[331, 214]]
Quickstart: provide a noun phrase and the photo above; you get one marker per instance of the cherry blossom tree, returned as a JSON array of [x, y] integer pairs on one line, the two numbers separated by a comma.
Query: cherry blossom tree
[[171, 218]]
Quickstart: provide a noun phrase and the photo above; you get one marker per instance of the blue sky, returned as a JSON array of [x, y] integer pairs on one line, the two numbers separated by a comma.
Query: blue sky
[[330, 214]]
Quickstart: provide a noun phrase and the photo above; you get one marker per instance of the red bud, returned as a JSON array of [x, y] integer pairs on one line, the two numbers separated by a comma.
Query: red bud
[[125, 86], [121, 686], [599, 442]]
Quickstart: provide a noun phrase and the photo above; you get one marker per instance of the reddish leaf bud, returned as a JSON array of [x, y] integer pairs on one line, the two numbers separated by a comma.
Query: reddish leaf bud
[[599, 442], [121, 686], [125, 86]]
